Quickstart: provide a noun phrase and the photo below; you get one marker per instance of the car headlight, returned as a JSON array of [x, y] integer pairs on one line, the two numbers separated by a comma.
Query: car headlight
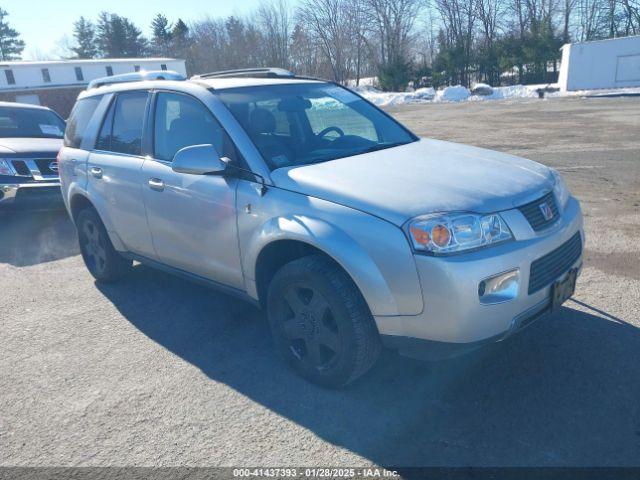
[[6, 168], [560, 190], [456, 232]]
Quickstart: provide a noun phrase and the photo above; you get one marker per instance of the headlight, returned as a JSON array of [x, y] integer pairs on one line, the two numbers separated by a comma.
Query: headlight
[[6, 168], [456, 232], [560, 190]]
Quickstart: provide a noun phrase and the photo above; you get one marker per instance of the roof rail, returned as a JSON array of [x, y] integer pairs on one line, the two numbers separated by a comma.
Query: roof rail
[[136, 77], [248, 72]]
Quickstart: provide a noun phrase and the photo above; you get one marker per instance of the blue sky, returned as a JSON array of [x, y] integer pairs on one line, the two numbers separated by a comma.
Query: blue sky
[[43, 23]]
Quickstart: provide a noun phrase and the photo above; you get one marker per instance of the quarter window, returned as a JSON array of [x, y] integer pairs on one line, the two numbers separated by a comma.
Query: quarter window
[[46, 77], [109, 70], [104, 137], [182, 121], [79, 119], [79, 75]]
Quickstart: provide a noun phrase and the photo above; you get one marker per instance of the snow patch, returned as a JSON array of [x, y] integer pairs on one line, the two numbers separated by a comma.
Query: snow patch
[[459, 93]]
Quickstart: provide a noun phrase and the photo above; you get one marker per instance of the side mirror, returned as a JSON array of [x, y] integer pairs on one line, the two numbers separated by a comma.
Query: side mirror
[[198, 160]]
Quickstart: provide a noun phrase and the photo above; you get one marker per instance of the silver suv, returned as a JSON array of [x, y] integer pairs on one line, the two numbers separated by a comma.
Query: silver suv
[[301, 196]]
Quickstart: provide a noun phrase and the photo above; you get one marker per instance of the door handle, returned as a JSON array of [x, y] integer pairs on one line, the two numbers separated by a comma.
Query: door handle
[[96, 172], [156, 184]]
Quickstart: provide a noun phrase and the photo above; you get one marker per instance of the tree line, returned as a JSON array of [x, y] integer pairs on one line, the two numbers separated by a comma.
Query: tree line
[[427, 42]]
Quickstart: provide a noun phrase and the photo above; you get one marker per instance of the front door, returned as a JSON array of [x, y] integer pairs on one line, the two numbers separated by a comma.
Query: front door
[[192, 218]]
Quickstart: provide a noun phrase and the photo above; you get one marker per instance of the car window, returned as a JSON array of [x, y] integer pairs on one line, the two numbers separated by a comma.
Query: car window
[[182, 121], [326, 112], [128, 119], [30, 122], [311, 122], [104, 136], [282, 123], [79, 119]]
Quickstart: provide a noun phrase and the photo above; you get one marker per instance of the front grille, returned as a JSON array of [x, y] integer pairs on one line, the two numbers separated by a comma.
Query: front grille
[[21, 167], [533, 212], [44, 166], [546, 269]]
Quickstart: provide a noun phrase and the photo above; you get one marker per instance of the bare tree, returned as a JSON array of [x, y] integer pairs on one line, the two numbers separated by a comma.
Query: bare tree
[[328, 24], [275, 26], [459, 20], [393, 27]]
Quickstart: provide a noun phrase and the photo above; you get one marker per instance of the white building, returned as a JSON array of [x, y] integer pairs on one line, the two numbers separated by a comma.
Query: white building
[[56, 84], [612, 63]]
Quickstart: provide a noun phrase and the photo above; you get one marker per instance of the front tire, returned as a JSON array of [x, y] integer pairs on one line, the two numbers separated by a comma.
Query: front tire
[[320, 322], [102, 260]]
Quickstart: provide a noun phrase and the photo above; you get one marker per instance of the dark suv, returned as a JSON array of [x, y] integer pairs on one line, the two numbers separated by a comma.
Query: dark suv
[[30, 138]]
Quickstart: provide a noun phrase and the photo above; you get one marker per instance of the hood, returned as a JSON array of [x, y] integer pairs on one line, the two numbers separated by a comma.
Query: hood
[[31, 145], [422, 177]]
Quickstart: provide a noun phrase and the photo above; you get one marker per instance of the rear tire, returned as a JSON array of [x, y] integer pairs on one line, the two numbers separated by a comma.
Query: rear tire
[[320, 322], [103, 261]]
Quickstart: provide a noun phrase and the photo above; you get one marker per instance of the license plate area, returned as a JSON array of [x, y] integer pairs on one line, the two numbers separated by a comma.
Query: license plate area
[[563, 289]]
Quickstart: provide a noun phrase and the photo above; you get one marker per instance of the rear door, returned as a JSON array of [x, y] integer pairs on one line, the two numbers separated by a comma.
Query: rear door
[[115, 170], [192, 217]]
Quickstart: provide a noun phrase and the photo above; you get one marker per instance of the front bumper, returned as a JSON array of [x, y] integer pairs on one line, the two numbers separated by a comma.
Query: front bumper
[[31, 196], [453, 313]]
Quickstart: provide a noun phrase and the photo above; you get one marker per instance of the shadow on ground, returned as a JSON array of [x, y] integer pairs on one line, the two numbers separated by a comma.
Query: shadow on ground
[[29, 238], [563, 392]]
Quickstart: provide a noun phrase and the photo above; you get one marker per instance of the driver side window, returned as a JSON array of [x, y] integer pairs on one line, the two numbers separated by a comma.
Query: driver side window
[[182, 121]]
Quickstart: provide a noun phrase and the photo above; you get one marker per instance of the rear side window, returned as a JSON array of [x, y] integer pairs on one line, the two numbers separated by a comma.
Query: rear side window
[[126, 126], [79, 119]]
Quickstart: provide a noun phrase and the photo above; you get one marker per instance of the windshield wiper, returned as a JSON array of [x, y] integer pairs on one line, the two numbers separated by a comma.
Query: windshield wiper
[[380, 146]]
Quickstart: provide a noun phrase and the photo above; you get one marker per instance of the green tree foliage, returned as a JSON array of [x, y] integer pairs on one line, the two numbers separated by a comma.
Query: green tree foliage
[[11, 46], [162, 35], [118, 37], [180, 30], [85, 38], [395, 75]]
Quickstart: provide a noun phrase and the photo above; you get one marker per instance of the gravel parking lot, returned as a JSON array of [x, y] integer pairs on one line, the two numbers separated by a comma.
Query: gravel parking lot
[[158, 371]]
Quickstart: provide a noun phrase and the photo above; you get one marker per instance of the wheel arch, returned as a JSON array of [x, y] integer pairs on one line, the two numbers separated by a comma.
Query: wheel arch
[[79, 201], [284, 239]]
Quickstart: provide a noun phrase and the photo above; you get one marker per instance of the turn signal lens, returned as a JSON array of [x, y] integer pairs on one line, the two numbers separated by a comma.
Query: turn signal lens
[[420, 236]]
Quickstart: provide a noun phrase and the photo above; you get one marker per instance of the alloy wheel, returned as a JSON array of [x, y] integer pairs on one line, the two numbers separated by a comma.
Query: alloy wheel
[[310, 327], [93, 246]]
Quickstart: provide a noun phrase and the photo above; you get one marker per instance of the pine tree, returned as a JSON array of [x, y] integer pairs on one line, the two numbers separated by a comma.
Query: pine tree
[[118, 37], [85, 36], [135, 43], [180, 30], [11, 46], [161, 35]]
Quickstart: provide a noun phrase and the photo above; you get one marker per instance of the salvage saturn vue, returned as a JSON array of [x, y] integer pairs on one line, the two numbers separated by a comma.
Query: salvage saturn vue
[[301, 196]]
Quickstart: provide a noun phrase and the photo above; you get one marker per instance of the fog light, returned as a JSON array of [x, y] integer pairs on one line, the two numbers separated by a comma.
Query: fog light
[[499, 288]]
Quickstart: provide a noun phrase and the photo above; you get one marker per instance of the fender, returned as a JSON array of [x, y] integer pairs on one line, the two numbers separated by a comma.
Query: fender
[[335, 242]]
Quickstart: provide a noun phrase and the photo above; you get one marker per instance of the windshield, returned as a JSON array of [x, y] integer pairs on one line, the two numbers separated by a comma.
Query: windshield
[[30, 122], [300, 124]]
